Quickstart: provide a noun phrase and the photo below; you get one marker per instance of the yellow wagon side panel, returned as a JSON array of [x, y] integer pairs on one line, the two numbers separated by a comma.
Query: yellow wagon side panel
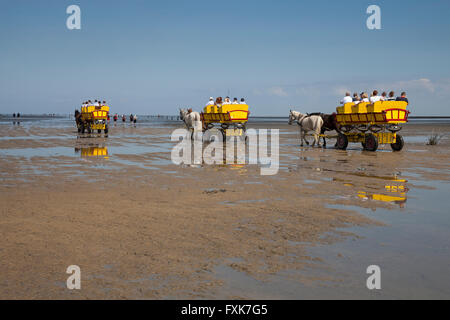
[[381, 106], [360, 107], [231, 107], [346, 108]]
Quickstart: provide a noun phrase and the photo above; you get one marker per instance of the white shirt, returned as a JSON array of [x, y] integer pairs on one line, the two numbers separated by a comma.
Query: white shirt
[[235, 102], [226, 102], [365, 100], [375, 98], [347, 99], [210, 103]]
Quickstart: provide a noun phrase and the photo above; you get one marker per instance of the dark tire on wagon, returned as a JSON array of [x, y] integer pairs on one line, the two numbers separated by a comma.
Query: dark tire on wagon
[[371, 143], [341, 141], [399, 143]]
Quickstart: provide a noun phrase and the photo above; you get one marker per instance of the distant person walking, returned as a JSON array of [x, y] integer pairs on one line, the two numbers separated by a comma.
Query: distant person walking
[[14, 115], [131, 117], [135, 118], [124, 118]]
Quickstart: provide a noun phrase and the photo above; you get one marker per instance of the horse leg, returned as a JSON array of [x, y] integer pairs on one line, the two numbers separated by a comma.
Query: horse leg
[[301, 137], [317, 137], [324, 140], [304, 137]]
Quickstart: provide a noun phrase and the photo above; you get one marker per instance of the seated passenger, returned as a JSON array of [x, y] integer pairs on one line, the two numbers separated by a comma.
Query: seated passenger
[[402, 98], [391, 96], [243, 101], [364, 97], [210, 102], [374, 97], [219, 101], [347, 98], [384, 96], [235, 101], [227, 100], [355, 98], [104, 103]]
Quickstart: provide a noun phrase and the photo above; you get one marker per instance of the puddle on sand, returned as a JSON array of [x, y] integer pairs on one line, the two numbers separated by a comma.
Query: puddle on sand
[[412, 250]]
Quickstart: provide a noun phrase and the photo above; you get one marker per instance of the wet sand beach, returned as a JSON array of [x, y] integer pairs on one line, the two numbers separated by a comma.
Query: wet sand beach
[[141, 227]]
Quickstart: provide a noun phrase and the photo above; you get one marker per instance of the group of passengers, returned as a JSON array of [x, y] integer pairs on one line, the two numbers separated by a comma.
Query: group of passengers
[[96, 103], [220, 102], [364, 97]]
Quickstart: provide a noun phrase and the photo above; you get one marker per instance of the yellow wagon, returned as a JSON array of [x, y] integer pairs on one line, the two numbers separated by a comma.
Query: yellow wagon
[[372, 124], [230, 118], [93, 118]]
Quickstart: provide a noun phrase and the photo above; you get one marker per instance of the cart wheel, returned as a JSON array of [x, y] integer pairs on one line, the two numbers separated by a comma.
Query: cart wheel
[[371, 143], [79, 129], [106, 130], [89, 130], [99, 131], [399, 143], [342, 141], [82, 128]]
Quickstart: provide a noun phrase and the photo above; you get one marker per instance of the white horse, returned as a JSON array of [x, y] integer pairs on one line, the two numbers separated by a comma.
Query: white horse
[[307, 123], [192, 120]]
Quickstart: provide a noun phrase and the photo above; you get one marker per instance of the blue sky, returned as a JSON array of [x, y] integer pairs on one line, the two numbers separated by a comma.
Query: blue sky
[[151, 57]]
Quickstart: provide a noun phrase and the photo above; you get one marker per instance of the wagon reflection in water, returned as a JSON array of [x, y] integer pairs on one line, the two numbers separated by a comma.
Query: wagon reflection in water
[[394, 190], [94, 151]]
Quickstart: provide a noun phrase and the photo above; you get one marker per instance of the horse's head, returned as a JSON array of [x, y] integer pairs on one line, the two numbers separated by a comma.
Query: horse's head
[[291, 117], [183, 113]]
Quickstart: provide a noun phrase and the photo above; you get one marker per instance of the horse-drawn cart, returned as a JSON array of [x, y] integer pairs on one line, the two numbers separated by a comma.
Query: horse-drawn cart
[[371, 124], [231, 119], [92, 118]]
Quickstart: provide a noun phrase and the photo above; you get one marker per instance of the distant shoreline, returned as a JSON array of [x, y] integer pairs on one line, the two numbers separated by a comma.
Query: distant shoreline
[[49, 116]]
